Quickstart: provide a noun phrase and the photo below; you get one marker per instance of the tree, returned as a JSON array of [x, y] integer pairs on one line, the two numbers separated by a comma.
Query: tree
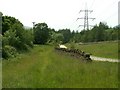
[[117, 29], [52, 32], [77, 37], [98, 32], [18, 37], [58, 38], [66, 34], [14, 37], [28, 37], [41, 33], [8, 22], [101, 31]]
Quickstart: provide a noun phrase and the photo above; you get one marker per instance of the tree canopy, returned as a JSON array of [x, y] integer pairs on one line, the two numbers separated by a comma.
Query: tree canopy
[[41, 33], [14, 37]]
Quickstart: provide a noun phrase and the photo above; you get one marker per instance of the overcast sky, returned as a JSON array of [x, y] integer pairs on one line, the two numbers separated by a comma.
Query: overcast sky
[[59, 14]]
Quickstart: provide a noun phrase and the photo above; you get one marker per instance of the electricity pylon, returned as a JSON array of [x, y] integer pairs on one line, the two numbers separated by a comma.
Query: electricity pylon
[[86, 18]]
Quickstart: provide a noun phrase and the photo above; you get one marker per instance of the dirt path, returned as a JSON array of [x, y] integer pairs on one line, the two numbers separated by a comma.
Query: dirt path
[[104, 59]]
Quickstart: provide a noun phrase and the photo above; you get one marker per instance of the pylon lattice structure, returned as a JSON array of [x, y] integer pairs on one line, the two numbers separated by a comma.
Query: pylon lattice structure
[[86, 18]]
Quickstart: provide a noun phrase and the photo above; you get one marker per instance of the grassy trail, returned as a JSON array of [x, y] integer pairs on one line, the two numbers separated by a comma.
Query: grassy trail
[[43, 67], [27, 68]]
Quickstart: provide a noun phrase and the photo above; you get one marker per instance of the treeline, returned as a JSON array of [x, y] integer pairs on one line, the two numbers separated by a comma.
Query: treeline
[[17, 39], [101, 32]]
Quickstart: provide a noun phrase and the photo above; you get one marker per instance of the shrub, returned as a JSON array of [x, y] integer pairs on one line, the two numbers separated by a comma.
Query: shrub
[[8, 51], [72, 45]]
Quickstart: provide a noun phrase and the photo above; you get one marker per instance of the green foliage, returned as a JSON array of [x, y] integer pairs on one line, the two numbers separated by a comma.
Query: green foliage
[[10, 38], [28, 37], [61, 36], [8, 22], [41, 33], [15, 36], [51, 33], [66, 34], [58, 38], [98, 33], [8, 51], [72, 45], [18, 38]]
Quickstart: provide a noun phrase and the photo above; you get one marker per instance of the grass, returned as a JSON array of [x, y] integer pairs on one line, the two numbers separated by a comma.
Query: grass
[[43, 67], [103, 49]]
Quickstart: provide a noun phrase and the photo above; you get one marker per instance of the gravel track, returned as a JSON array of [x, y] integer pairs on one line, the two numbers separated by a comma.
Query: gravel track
[[104, 59]]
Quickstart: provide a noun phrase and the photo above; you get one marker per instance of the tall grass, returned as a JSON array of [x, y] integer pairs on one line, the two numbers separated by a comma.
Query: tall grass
[[43, 67]]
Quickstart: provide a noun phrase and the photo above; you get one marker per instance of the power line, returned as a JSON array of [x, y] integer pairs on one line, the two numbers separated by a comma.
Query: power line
[[74, 22], [86, 18], [92, 4]]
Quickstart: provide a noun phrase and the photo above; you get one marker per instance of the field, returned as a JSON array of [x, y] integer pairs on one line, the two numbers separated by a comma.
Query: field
[[103, 49], [43, 67]]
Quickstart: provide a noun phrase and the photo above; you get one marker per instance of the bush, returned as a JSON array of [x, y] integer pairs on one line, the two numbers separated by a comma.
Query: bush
[[15, 38], [72, 45], [8, 51]]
